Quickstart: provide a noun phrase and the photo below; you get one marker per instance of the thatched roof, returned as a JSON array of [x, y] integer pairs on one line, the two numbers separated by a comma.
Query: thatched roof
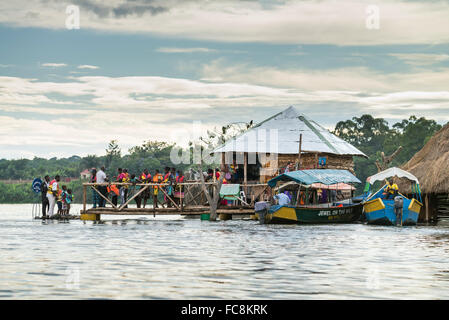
[[431, 164]]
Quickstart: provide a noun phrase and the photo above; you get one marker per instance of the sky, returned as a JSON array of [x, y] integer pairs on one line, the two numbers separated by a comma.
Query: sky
[[138, 70]]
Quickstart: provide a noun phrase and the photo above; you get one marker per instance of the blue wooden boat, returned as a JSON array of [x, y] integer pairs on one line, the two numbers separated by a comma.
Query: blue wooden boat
[[380, 211]]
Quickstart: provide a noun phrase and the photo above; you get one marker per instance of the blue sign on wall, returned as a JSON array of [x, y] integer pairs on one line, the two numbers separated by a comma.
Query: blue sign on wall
[[322, 161], [36, 185]]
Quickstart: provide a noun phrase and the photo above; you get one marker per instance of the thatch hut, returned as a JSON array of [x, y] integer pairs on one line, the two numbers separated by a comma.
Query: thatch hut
[[287, 136], [431, 166]]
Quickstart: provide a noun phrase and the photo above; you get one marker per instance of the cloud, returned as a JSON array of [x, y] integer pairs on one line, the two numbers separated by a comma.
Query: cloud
[[87, 66], [88, 111], [53, 65], [290, 22], [122, 8], [185, 50], [421, 59], [336, 79]]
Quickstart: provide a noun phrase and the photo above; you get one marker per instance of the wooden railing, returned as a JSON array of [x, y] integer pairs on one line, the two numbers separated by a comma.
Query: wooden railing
[[193, 192]]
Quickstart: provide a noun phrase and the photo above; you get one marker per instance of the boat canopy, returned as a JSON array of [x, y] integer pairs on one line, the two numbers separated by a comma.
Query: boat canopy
[[391, 172], [324, 176]]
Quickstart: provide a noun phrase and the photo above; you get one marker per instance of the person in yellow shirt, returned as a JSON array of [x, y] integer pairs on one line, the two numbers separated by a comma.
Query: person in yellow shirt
[[157, 178], [392, 189]]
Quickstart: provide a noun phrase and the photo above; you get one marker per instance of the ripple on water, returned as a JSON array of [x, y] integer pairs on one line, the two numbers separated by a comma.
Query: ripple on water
[[173, 258]]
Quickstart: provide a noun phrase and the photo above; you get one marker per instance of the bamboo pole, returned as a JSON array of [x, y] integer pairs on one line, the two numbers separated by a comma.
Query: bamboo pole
[[133, 197], [101, 195], [84, 197], [299, 153], [245, 171], [181, 196], [170, 198]]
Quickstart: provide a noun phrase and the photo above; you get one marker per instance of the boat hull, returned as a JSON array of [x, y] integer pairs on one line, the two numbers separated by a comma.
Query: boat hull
[[310, 215], [381, 212]]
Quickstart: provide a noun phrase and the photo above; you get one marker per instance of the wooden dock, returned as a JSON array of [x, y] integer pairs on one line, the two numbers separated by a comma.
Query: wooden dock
[[190, 205]]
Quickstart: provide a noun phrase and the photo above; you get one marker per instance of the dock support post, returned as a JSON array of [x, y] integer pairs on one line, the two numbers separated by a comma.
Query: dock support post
[[299, 152], [245, 172], [84, 198], [427, 204]]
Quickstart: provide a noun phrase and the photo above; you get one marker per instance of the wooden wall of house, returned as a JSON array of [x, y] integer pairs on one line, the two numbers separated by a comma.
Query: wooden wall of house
[[308, 161]]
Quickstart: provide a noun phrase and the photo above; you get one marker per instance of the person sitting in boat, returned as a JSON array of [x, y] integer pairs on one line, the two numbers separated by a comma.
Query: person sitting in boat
[[282, 199], [392, 190]]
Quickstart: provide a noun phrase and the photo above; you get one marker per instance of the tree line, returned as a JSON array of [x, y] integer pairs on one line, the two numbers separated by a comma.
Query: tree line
[[373, 136], [370, 135]]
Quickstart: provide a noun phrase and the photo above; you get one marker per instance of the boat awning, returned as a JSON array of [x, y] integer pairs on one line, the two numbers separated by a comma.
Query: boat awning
[[337, 186], [392, 172], [324, 176]]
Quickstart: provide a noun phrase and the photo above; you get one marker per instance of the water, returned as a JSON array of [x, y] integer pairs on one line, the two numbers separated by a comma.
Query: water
[[176, 258]]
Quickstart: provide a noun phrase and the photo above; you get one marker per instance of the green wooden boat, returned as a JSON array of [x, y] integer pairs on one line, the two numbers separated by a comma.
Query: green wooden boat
[[310, 214], [345, 211]]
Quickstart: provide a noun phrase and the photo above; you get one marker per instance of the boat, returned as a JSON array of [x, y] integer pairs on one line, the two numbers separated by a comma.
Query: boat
[[345, 211], [381, 211]]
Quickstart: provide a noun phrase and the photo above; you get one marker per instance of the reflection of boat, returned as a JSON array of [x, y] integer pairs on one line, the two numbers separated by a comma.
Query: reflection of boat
[[312, 212], [379, 210]]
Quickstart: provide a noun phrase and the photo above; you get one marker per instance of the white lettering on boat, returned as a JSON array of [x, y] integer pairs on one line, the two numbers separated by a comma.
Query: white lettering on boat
[[339, 212]]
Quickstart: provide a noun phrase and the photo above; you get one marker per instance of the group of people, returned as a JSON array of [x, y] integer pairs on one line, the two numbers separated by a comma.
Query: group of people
[[171, 179], [52, 195]]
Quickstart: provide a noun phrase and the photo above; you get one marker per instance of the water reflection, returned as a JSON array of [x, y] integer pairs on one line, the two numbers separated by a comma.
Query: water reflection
[[170, 257]]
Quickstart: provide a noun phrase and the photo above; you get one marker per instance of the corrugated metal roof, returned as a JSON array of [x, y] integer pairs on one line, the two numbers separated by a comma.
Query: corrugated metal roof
[[324, 176], [280, 134]]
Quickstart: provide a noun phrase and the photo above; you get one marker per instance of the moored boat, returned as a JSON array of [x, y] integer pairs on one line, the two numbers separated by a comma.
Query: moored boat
[[312, 212], [381, 211]]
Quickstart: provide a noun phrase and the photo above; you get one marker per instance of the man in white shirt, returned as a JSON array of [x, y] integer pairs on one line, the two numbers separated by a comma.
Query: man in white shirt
[[282, 199], [102, 178], [52, 194]]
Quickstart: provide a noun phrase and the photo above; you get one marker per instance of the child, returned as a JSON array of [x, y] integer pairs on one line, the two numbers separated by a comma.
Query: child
[[59, 202], [68, 200]]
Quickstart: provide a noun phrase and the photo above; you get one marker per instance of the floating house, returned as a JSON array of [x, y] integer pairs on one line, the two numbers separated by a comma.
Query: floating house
[[431, 166], [262, 152]]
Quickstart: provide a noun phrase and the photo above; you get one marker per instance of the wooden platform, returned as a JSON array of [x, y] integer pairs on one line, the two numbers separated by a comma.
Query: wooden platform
[[190, 210], [59, 217]]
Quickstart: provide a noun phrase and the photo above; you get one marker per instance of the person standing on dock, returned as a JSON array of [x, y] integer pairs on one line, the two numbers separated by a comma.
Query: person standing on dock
[[124, 189], [95, 195], [135, 189], [179, 192], [168, 178], [101, 178], [145, 177], [157, 178], [44, 189], [52, 193]]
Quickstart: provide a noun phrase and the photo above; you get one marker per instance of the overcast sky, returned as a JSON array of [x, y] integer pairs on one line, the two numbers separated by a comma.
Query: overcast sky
[[145, 69]]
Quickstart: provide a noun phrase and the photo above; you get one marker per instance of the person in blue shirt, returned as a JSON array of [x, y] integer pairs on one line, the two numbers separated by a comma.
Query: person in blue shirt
[[282, 199]]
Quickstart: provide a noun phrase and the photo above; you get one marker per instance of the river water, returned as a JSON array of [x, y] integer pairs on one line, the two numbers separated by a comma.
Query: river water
[[171, 257]]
